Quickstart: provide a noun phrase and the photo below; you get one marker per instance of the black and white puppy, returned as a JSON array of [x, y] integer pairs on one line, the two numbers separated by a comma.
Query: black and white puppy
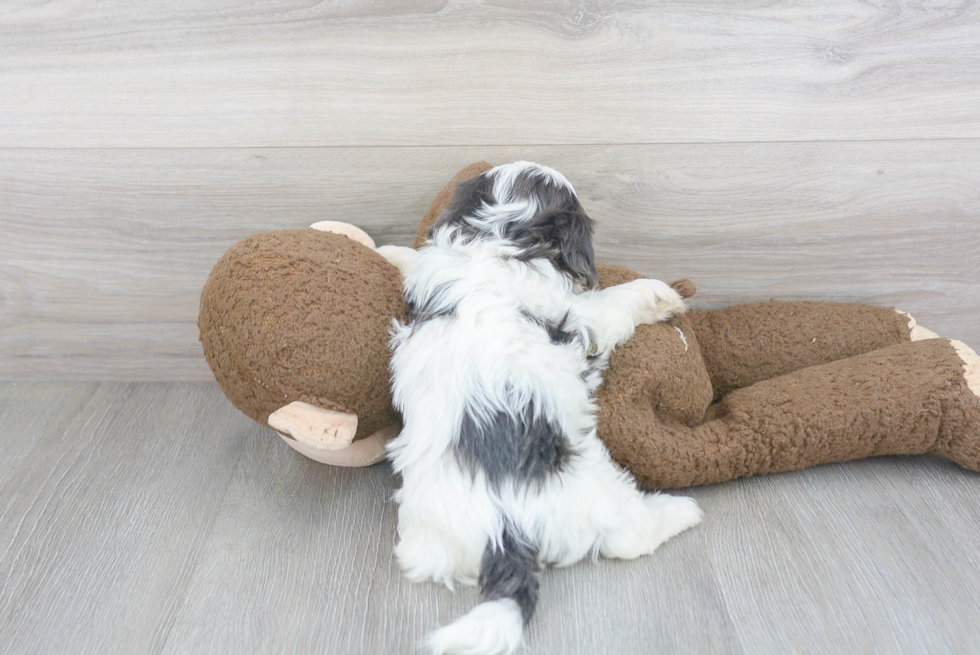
[[507, 338]]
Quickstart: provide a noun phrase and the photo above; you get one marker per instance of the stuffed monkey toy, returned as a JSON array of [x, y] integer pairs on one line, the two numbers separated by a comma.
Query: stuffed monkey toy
[[295, 326]]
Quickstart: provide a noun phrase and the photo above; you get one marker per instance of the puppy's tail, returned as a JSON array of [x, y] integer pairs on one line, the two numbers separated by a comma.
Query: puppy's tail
[[509, 580]]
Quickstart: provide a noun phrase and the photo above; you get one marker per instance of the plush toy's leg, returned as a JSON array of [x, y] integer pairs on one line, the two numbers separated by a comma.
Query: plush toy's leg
[[963, 446], [745, 344], [916, 331], [909, 398]]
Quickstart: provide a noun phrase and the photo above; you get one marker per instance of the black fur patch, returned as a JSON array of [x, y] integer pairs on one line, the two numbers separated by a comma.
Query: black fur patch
[[560, 231], [468, 197], [436, 305], [561, 234], [524, 446], [511, 572], [557, 333]]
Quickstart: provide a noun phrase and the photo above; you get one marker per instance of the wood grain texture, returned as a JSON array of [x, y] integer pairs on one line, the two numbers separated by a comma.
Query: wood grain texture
[[104, 252], [433, 72], [901, 583], [29, 414], [102, 524], [153, 518]]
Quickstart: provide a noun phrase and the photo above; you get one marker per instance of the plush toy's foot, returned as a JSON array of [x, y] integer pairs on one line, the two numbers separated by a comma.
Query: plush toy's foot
[[964, 448], [916, 331], [971, 365], [961, 427]]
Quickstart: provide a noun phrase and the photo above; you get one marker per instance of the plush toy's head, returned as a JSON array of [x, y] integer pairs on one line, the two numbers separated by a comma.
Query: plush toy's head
[[303, 315]]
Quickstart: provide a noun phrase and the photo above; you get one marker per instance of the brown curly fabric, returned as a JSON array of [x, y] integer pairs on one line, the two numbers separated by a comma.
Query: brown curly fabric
[[302, 315], [745, 344], [662, 364], [910, 398]]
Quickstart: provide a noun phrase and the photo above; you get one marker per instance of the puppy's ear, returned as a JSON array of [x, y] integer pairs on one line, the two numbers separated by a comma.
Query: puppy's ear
[[468, 197], [575, 253]]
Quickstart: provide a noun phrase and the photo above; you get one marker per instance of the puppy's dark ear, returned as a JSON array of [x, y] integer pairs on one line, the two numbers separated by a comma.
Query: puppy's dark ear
[[575, 253], [468, 197]]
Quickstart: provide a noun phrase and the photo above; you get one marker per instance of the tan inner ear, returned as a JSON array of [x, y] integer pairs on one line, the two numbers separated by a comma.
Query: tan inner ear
[[319, 428], [364, 452], [348, 230]]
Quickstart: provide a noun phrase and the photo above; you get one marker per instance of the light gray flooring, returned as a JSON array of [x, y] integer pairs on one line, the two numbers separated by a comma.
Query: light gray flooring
[[154, 517]]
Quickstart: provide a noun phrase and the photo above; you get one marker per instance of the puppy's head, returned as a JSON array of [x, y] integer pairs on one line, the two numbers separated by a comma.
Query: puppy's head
[[531, 207]]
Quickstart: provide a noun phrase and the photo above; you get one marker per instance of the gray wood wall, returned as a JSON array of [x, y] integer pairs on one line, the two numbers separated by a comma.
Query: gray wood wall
[[800, 150]]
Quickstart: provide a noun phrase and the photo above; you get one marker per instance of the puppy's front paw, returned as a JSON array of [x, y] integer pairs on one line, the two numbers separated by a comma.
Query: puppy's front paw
[[659, 301]]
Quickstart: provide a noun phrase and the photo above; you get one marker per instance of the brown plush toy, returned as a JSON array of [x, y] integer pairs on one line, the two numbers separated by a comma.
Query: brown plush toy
[[295, 326]]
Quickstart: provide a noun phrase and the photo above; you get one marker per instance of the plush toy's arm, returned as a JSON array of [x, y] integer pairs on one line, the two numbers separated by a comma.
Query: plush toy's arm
[[747, 343], [910, 398], [612, 314], [402, 258]]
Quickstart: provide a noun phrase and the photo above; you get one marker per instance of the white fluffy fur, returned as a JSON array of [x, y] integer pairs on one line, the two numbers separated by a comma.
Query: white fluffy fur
[[493, 628], [489, 355]]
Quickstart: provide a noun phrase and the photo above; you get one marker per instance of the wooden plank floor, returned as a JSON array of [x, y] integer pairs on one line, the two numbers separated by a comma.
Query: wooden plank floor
[[153, 517]]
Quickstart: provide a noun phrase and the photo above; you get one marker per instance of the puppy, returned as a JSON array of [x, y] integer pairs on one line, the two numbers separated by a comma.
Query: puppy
[[507, 338]]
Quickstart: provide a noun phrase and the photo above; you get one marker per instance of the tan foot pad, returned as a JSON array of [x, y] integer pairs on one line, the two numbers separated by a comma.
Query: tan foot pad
[[971, 365], [916, 331]]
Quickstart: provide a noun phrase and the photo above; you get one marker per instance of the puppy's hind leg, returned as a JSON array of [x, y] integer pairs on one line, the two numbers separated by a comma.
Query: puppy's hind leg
[[444, 523], [597, 508], [657, 518]]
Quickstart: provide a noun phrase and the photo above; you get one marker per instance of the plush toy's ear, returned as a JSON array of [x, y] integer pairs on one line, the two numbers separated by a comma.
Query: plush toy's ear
[[319, 428], [363, 452], [348, 230]]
